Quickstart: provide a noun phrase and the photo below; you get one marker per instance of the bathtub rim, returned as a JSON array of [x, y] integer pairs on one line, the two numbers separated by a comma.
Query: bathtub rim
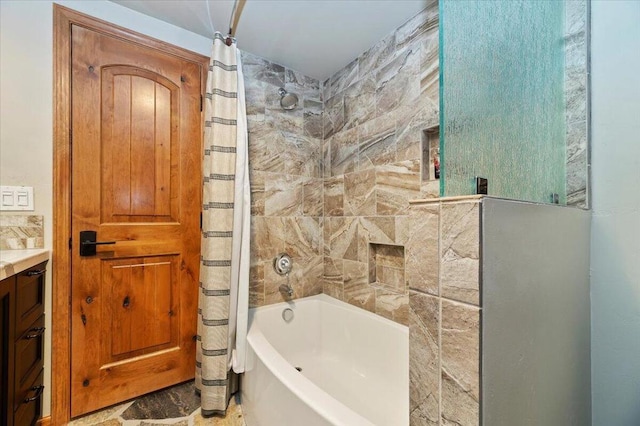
[[333, 301]]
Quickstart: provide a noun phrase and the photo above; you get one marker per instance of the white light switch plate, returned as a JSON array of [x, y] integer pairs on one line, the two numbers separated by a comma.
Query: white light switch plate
[[16, 198]]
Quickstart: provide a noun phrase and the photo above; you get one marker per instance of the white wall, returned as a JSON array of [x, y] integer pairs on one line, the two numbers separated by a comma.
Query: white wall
[[615, 241], [26, 99], [535, 314]]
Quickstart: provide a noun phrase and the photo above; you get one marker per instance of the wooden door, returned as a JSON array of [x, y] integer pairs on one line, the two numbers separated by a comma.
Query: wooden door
[[135, 173]]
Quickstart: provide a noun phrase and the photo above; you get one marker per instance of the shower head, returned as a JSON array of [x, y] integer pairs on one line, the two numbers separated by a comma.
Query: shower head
[[288, 101]]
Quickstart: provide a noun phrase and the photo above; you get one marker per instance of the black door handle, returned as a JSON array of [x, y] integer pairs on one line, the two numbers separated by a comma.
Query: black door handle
[[88, 243]]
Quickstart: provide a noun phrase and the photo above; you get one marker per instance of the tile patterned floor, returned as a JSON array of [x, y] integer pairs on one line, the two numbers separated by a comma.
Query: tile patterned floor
[[178, 406]]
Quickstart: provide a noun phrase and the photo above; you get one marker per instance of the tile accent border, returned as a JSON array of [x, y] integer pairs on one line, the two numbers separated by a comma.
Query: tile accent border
[[21, 232]]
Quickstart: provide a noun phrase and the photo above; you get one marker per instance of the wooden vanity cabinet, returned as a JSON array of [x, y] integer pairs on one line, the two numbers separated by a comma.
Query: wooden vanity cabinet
[[22, 346], [7, 326]]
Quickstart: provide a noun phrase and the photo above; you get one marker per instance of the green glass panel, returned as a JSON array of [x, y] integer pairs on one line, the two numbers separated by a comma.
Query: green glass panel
[[502, 102]]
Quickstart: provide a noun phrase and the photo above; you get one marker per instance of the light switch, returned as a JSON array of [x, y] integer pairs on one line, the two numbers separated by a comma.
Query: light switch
[[7, 198], [23, 198], [16, 198]]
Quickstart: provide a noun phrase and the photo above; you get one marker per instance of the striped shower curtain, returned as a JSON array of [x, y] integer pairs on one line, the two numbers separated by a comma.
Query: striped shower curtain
[[224, 260]]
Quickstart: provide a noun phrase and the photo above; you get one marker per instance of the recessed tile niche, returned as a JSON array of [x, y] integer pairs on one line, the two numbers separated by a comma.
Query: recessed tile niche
[[386, 266], [431, 154]]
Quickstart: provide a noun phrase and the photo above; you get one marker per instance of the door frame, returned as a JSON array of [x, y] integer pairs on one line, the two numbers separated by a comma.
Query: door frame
[[63, 19]]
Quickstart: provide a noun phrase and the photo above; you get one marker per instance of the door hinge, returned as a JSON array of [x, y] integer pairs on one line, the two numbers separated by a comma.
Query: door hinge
[[201, 221], [70, 243], [201, 101]]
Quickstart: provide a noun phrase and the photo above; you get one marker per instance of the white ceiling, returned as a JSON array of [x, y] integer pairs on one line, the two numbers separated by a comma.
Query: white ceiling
[[315, 37]]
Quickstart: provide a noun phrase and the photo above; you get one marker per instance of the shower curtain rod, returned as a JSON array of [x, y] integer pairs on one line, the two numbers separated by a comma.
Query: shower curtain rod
[[238, 5]]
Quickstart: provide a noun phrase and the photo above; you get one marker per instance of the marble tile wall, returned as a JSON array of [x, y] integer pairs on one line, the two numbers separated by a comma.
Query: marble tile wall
[[443, 273], [285, 166], [386, 266], [21, 231], [576, 102], [375, 110]]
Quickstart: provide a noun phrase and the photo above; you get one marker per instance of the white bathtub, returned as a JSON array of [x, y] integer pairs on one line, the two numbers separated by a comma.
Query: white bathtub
[[355, 366]]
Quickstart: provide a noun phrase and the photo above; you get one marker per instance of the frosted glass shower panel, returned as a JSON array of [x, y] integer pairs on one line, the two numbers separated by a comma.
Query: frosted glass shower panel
[[502, 102]]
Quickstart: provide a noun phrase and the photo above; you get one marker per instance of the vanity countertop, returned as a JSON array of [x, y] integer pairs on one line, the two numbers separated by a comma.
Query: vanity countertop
[[15, 261]]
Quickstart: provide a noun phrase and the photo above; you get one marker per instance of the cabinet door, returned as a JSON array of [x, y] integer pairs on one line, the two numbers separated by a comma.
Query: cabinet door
[[29, 359], [30, 408], [29, 297], [7, 292]]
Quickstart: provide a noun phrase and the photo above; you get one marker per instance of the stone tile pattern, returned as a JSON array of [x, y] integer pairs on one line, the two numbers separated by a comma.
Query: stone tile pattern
[[375, 111], [177, 406], [460, 252], [386, 266], [576, 104], [174, 402], [21, 231], [285, 166], [443, 275]]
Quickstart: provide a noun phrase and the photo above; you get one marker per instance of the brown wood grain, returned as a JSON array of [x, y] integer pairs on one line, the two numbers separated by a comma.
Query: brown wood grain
[[151, 307], [142, 146], [61, 260], [121, 379], [149, 321], [164, 117], [93, 384], [44, 421], [120, 280], [117, 156], [7, 340]]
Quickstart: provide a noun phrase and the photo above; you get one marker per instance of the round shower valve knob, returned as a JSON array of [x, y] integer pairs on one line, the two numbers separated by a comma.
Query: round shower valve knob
[[282, 264]]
